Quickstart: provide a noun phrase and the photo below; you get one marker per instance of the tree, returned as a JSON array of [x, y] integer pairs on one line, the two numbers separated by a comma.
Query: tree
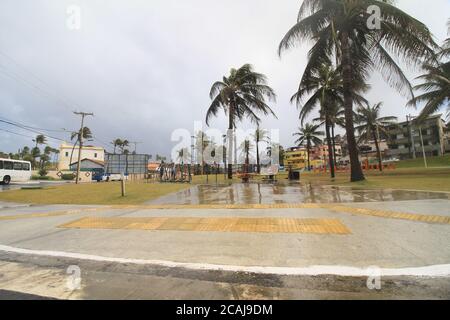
[[276, 147], [87, 134], [260, 135], [325, 85], [125, 143], [242, 94], [201, 143], [245, 148], [308, 134], [116, 143], [436, 83], [342, 29], [370, 125], [35, 152]]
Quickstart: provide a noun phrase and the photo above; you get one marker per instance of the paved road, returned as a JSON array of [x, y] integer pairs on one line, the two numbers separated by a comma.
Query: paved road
[[127, 260]]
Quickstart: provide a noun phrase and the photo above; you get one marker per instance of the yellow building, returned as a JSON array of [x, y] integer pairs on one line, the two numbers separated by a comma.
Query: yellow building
[[88, 152], [296, 158]]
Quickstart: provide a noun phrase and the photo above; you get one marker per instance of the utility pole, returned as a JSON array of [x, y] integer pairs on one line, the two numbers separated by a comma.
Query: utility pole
[[82, 114]]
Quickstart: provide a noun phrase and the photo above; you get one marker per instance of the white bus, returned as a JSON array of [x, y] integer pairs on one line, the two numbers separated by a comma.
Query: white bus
[[14, 171]]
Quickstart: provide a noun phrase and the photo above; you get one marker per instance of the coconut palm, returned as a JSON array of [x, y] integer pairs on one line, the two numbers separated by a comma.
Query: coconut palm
[[201, 143], [243, 93], [325, 85], [246, 147], [260, 135], [436, 83], [342, 29], [309, 135], [370, 125], [87, 134], [116, 142]]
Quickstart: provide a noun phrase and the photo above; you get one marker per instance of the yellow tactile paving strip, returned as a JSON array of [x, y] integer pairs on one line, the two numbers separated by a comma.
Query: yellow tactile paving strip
[[235, 224]]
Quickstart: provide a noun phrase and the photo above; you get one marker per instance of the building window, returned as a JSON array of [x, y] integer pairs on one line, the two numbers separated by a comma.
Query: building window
[[95, 155], [67, 154]]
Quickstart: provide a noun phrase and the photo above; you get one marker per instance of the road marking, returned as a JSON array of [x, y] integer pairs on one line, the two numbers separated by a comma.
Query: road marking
[[228, 224], [442, 270]]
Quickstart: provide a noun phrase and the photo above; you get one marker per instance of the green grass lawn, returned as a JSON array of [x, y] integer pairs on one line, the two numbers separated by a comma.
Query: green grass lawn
[[432, 179], [92, 193], [419, 163]]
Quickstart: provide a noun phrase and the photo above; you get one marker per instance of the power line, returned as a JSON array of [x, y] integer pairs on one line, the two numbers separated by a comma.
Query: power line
[[62, 99], [34, 128], [31, 130], [19, 134]]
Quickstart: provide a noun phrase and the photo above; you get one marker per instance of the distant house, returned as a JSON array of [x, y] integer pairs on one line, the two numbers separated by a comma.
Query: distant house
[[88, 165], [88, 152]]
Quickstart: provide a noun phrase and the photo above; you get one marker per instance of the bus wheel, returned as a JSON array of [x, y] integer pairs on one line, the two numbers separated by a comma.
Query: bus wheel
[[6, 180]]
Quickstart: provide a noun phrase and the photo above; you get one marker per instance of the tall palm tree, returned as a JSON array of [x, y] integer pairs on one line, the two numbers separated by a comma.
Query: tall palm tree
[[436, 83], [125, 143], [243, 93], [325, 85], [309, 135], [260, 135], [336, 117], [370, 125], [87, 134], [35, 152], [245, 148], [116, 142], [201, 143], [341, 30]]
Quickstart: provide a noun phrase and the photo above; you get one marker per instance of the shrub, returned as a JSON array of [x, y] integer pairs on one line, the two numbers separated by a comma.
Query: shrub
[[42, 172], [68, 176]]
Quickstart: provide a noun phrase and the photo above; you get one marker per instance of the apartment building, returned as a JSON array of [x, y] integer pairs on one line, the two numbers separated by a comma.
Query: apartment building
[[405, 138]]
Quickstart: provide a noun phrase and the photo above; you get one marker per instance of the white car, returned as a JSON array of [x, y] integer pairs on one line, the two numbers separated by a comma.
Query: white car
[[14, 171]]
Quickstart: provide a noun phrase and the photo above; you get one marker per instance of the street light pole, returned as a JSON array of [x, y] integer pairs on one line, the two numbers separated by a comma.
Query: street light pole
[[82, 114]]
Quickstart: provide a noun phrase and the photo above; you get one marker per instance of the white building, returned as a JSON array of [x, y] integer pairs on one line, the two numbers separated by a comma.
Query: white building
[[88, 152]]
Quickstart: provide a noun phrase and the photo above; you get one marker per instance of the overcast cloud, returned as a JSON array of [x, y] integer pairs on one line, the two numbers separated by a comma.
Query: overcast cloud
[[145, 67]]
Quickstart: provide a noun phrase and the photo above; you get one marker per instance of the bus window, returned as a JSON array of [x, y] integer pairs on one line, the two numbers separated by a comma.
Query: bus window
[[17, 165], [1, 164], [26, 166], [7, 165]]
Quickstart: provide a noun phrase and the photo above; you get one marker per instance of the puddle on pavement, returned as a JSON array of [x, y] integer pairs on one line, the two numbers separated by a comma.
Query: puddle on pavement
[[265, 193]]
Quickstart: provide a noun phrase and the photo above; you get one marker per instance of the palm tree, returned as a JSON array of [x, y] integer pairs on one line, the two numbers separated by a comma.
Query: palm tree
[[242, 94], [336, 117], [246, 147], [341, 30], [125, 143], [40, 139], [436, 83], [116, 142], [308, 134], [260, 135], [370, 124], [87, 134], [326, 86], [201, 143]]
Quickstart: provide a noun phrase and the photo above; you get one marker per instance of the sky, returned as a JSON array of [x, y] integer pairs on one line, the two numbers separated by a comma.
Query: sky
[[145, 68]]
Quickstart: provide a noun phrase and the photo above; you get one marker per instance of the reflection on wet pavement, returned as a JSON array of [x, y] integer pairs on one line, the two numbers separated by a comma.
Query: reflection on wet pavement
[[264, 193]]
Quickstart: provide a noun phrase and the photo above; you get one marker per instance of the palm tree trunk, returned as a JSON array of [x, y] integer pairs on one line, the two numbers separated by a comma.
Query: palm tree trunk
[[71, 154], [377, 146], [308, 150], [356, 170], [330, 147], [333, 138], [258, 166], [230, 142]]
